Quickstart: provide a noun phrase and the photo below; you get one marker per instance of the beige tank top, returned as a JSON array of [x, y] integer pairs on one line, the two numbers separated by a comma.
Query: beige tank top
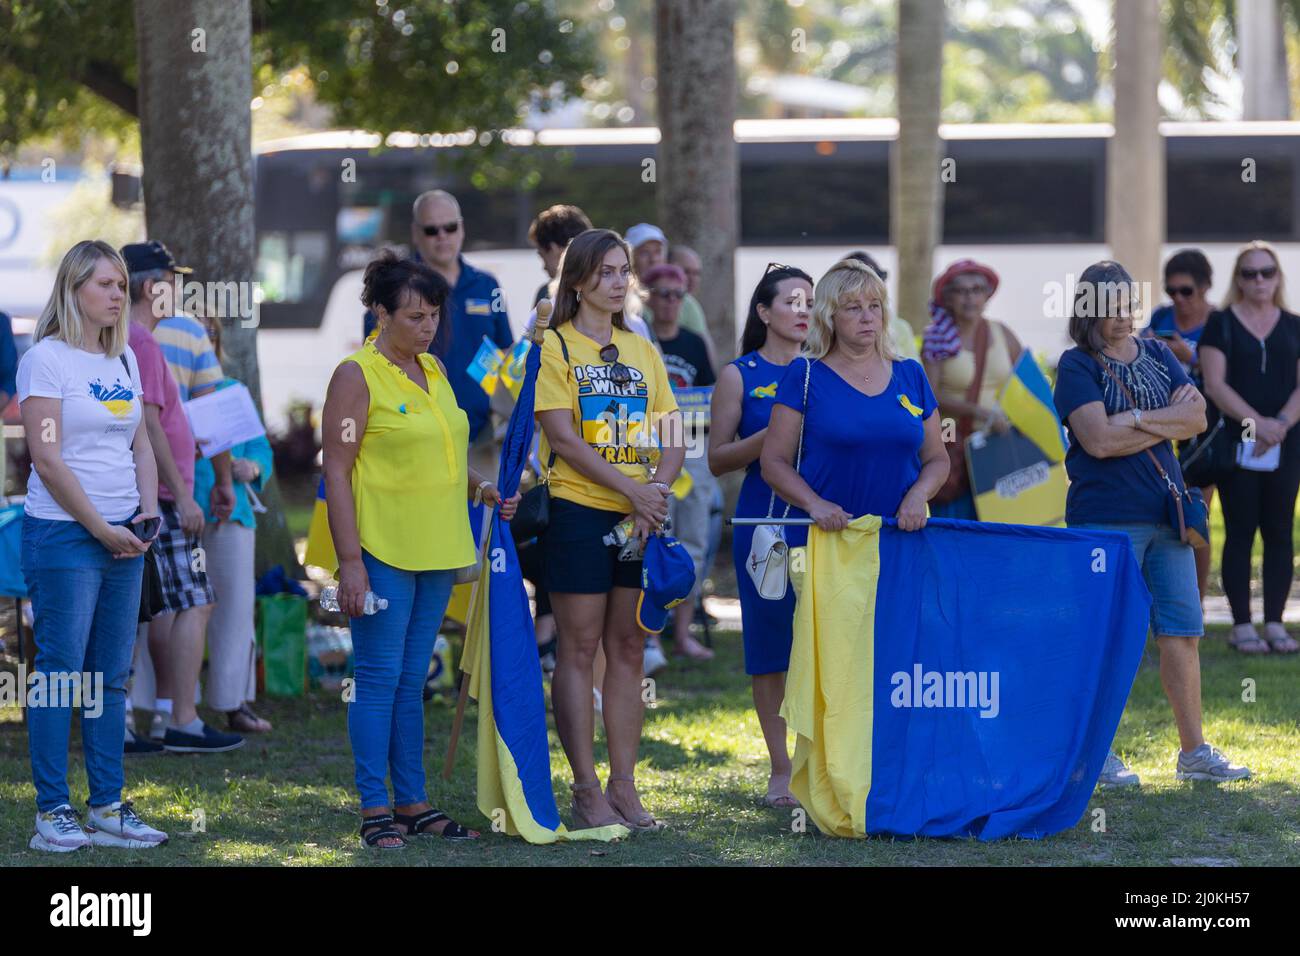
[[956, 373]]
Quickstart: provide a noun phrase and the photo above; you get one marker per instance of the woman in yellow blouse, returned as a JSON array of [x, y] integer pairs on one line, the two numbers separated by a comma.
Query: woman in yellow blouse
[[396, 481], [602, 397]]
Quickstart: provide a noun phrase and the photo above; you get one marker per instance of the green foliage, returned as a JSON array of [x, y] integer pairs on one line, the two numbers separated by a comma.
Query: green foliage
[[381, 65]]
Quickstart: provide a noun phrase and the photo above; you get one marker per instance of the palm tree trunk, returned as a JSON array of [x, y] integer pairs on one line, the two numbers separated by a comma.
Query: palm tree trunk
[[1135, 159], [695, 61], [1261, 57], [195, 84], [914, 161]]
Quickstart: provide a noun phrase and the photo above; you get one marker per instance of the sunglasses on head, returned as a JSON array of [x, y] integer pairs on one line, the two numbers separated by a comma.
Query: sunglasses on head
[[669, 293], [1174, 291], [450, 228], [619, 373], [1265, 273], [777, 267]]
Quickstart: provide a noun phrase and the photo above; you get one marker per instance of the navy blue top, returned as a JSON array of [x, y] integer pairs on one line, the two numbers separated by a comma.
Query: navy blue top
[[476, 307], [1162, 320], [760, 379], [860, 452], [1127, 489], [8, 358]]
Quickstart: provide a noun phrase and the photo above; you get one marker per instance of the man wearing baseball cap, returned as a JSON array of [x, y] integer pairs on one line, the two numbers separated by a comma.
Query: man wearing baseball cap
[[650, 249], [176, 636]]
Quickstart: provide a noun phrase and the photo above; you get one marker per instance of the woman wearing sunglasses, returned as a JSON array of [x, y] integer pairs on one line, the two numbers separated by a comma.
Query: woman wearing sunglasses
[[602, 395], [1179, 325], [1250, 358]]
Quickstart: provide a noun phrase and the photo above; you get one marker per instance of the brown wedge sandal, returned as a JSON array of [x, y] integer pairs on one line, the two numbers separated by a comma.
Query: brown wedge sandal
[[581, 822], [645, 823]]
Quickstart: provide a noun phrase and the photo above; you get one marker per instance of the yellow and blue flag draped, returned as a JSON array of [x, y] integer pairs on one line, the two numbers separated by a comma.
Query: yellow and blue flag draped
[[962, 680], [1027, 401], [504, 672]]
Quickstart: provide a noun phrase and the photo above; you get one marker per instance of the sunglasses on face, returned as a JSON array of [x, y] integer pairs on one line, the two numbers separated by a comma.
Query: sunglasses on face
[[669, 293], [1265, 273], [619, 373], [1174, 291], [450, 228]]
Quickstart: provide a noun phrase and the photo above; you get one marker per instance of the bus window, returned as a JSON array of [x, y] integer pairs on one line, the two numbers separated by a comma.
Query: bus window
[[1022, 201], [291, 266], [818, 202], [1208, 201]]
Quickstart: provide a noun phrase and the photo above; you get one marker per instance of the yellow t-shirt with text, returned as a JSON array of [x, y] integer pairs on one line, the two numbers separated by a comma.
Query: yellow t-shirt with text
[[611, 418]]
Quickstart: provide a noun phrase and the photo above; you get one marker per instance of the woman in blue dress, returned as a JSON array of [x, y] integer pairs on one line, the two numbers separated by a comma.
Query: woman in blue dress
[[743, 397], [871, 441]]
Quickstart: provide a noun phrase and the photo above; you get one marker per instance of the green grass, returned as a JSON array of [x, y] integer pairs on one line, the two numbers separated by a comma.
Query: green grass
[[287, 800]]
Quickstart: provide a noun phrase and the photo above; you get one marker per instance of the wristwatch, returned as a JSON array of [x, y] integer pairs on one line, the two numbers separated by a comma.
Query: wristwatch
[[1137, 417]]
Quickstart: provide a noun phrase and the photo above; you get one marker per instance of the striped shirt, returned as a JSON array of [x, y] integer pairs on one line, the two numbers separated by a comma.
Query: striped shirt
[[189, 355]]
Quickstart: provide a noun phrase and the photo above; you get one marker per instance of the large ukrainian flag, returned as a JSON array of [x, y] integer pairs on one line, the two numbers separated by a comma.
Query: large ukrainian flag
[[962, 680], [504, 671]]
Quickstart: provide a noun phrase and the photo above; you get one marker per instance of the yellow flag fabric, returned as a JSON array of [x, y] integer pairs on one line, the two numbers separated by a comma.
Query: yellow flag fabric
[[828, 693], [513, 763]]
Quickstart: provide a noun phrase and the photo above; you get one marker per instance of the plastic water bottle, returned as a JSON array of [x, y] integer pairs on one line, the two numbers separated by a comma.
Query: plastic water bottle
[[329, 600]]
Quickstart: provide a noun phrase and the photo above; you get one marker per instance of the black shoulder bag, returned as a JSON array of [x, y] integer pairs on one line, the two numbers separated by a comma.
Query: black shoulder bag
[[534, 511], [1211, 457]]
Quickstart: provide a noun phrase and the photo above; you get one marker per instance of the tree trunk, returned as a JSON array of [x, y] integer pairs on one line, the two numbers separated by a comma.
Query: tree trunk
[[1135, 159], [1261, 58], [195, 84], [917, 199], [695, 59]]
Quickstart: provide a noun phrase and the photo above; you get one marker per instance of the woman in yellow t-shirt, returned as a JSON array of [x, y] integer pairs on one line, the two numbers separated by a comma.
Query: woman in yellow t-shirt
[[396, 482], [603, 397]]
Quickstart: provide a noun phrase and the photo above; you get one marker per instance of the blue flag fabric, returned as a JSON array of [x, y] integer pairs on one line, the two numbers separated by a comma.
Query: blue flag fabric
[[505, 673], [963, 680]]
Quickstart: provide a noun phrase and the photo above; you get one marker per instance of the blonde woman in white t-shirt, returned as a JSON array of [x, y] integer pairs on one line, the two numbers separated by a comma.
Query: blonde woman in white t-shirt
[[90, 515]]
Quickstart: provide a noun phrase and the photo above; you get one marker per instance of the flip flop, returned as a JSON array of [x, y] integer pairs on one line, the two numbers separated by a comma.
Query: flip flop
[[1244, 640], [1279, 640]]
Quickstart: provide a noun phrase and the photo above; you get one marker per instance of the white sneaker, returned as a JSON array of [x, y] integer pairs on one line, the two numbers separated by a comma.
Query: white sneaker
[[118, 825], [57, 831], [1209, 763], [654, 659]]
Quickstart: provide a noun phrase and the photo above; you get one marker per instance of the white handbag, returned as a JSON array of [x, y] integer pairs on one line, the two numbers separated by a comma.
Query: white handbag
[[769, 553]]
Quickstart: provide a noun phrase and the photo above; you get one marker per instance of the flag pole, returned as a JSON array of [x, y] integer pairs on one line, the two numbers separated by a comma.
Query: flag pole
[[535, 336], [780, 521]]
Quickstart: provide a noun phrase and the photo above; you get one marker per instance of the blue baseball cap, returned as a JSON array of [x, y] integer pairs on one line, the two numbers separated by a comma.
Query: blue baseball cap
[[667, 579]]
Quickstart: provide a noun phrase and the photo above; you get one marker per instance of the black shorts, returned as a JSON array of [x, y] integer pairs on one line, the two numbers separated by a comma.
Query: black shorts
[[577, 560]]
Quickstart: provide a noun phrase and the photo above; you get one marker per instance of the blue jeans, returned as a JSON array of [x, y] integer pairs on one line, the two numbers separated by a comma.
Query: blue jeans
[[86, 604], [392, 650], [1169, 568]]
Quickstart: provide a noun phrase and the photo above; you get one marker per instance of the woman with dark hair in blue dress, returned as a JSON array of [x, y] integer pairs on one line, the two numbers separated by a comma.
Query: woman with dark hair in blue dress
[[743, 397]]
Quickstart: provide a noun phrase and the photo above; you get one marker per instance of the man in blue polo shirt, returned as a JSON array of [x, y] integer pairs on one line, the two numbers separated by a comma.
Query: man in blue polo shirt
[[475, 308]]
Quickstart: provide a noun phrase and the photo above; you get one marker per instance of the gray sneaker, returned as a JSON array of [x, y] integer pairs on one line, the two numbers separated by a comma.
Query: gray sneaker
[[1115, 774], [1208, 763]]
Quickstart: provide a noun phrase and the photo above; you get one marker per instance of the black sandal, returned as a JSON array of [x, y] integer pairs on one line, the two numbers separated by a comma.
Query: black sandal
[[421, 824], [374, 829]]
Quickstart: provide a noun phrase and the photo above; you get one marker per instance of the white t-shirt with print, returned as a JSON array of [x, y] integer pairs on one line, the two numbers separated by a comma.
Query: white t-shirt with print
[[101, 411]]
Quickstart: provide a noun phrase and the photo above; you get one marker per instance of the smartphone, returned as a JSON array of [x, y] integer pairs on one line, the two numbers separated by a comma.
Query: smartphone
[[146, 529]]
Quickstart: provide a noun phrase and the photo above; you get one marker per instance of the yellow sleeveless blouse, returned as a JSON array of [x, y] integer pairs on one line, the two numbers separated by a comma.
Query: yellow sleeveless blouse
[[410, 476]]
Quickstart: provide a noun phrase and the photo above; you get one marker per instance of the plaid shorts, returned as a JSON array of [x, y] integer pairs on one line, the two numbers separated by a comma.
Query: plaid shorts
[[183, 586]]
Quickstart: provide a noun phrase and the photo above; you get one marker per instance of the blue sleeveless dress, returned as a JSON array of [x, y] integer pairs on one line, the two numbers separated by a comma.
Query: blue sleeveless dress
[[768, 625]]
